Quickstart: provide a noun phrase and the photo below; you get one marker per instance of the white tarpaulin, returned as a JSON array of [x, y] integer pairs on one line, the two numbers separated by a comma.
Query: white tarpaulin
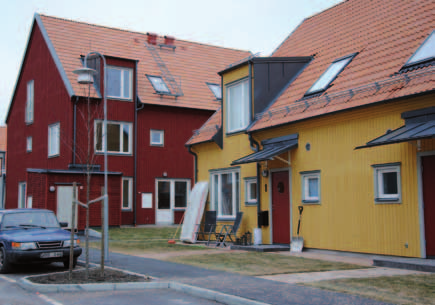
[[194, 211]]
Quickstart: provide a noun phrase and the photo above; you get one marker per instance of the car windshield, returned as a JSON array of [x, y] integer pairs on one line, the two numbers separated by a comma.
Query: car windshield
[[29, 220]]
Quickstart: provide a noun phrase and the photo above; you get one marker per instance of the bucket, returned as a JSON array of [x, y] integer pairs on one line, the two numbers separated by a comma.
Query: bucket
[[258, 236]]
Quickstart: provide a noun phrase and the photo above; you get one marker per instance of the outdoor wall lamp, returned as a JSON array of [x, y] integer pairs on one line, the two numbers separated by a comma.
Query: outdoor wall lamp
[[52, 188]]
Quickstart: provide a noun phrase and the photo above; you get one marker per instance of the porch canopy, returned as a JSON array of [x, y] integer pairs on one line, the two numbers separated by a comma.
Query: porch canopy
[[419, 124], [271, 148]]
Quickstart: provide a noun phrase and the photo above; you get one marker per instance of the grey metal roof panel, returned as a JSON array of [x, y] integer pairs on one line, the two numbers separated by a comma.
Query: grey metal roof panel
[[408, 132], [268, 152]]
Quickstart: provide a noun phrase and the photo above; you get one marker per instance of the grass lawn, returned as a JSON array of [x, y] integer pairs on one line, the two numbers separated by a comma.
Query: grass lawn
[[404, 289], [152, 239], [257, 263]]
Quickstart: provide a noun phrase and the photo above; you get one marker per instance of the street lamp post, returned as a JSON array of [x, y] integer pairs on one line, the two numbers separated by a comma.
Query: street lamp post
[[85, 76]]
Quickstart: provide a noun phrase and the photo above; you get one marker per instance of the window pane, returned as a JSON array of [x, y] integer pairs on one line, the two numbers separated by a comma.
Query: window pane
[[113, 82], [215, 191], [329, 75], [125, 193], [156, 137], [99, 136], [426, 51], [125, 137], [227, 194], [180, 194], [313, 187], [238, 107], [390, 183], [164, 195], [113, 137], [252, 191], [127, 85]]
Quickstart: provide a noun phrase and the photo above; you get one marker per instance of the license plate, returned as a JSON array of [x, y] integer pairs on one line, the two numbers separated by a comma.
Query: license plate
[[51, 254]]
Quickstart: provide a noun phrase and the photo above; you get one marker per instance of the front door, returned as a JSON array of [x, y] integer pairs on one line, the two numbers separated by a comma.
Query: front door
[[64, 205], [280, 207], [172, 196], [428, 166]]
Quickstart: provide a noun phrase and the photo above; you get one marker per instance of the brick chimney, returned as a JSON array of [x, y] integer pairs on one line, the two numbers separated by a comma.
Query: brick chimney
[[169, 40], [152, 38]]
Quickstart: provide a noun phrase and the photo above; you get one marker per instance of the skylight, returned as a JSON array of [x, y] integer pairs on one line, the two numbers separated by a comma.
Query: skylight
[[158, 84], [424, 52], [216, 89], [330, 74]]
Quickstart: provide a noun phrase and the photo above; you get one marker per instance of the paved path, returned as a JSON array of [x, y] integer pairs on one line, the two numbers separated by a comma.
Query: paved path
[[339, 274], [260, 289]]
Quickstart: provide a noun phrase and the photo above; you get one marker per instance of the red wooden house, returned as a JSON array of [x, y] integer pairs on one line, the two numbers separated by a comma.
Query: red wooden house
[[158, 91]]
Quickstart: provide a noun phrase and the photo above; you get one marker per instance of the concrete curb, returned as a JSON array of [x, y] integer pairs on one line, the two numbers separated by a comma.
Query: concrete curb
[[202, 293], [213, 295]]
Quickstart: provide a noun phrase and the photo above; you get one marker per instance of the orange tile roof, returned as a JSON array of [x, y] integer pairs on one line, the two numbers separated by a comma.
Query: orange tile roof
[[385, 33], [3, 138], [192, 64], [208, 130]]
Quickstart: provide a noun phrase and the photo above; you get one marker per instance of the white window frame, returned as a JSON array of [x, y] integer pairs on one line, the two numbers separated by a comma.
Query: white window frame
[[130, 76], [216, 90], [305, 178], [427, 46], [245, 107], [29, 114], [54, 140], [248, 183], [235, 193], [159, 84], [22, 195], [330, 74], [161, 134], [380, 196], [130, 193], [29, 144], [121, 140]]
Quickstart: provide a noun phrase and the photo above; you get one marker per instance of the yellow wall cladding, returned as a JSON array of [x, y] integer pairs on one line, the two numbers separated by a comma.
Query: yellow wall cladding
[[347, 218], [210, 157]]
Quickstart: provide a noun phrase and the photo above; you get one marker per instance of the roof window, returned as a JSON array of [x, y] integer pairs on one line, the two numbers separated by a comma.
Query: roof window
[[330, 74], [159, 84], [216, 89], [425, 52]]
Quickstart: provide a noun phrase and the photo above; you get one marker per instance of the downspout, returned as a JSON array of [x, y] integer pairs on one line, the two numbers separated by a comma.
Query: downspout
[[75, 131], [253, 143], [136, 108], [195, 162]]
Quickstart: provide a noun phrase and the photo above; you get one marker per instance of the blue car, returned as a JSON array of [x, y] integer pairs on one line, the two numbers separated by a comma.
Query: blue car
[[34, 236]]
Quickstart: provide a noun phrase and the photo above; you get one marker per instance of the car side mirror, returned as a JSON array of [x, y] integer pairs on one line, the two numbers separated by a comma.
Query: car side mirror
[[63, 224]]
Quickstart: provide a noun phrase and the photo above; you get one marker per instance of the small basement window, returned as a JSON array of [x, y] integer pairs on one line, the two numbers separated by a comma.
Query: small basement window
[[158, 84], [424, 53], [330, 74], [216, 89], [387, 183]]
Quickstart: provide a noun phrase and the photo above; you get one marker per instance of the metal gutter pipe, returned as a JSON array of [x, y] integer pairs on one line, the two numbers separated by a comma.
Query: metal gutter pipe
[[135, 149], [195, 162]]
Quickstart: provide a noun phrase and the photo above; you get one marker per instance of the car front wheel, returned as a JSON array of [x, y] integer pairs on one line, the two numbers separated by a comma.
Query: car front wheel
[[66, 263], [5, 266]]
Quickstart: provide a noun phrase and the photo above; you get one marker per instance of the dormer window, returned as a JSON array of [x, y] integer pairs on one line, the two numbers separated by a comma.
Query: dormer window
[[237, 106], [330, 74], [119, 82], [158, 84], [424, 53], [216, 89]]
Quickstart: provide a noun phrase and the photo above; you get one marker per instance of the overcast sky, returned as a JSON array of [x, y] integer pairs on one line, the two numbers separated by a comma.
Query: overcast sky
[[254, 25]]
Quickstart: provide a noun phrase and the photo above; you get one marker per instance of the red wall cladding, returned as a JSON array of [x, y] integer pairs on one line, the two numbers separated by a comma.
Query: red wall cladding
[[52, 104], [174, 159], [39, 184]]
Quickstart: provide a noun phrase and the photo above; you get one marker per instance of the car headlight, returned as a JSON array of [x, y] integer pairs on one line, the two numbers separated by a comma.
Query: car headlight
[[67, 243], [24, 246]]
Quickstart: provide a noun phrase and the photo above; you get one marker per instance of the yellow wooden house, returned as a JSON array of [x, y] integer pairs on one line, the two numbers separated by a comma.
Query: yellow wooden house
[[340, 120]]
